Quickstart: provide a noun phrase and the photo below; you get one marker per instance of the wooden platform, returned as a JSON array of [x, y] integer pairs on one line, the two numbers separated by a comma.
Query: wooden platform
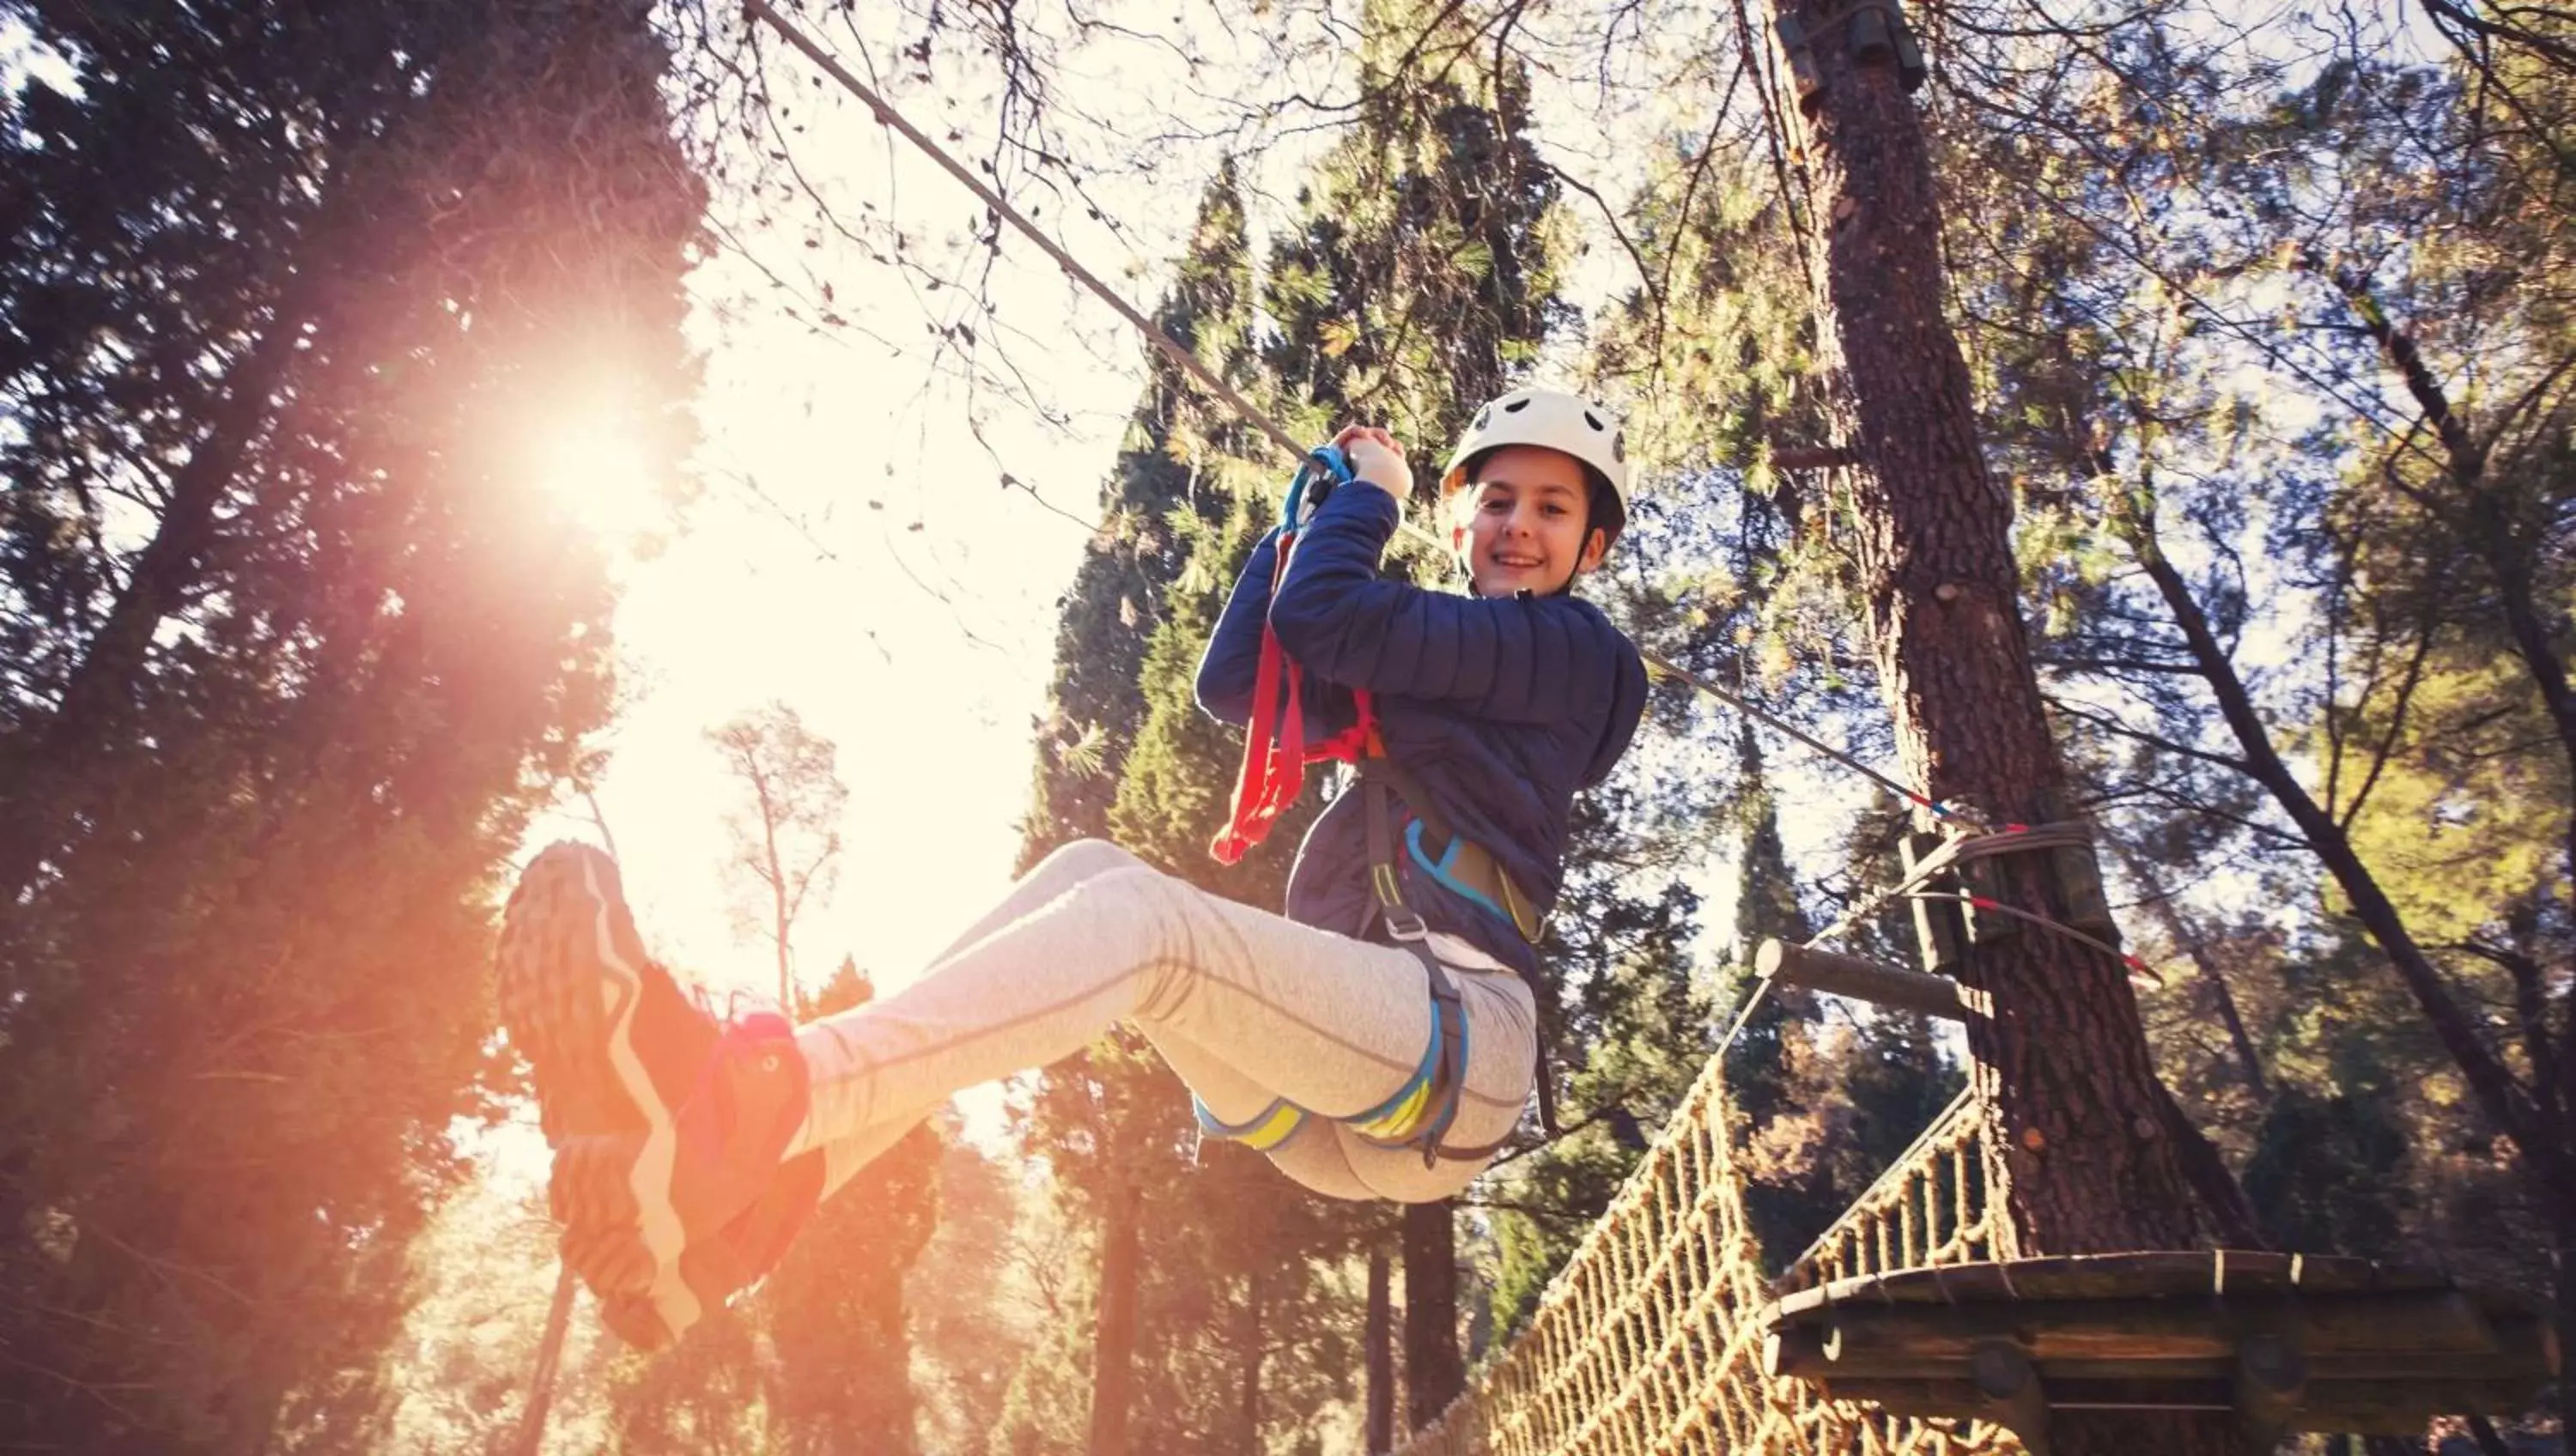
[[2285, 1341]]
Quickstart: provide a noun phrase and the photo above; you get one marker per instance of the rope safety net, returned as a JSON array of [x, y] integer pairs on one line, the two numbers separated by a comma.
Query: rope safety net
[[1649, 1339]]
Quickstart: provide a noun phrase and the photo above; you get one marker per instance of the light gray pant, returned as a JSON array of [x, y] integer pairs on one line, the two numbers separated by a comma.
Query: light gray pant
[[1245, 1006]]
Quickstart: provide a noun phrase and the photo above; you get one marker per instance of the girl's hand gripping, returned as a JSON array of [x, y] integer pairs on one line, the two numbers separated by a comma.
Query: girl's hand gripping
[[1376, 459]]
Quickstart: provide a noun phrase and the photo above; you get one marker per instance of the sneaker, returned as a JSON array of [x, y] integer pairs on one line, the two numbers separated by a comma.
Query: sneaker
[[741, 1254], [667, 1121]]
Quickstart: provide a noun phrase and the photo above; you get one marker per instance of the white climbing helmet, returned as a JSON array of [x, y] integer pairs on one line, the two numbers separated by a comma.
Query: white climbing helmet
[[1556, 420]]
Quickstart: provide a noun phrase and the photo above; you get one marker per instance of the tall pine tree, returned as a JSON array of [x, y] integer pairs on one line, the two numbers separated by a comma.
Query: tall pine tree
[[293, 650], [1114, 1125]]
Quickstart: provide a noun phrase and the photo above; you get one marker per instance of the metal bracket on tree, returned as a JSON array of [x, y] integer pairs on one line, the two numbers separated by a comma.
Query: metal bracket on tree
[[1977, 913], [1878, 36]]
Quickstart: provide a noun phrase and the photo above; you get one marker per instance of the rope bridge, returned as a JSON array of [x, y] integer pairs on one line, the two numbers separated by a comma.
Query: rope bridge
[[1661, 1334], [1650, 1340]]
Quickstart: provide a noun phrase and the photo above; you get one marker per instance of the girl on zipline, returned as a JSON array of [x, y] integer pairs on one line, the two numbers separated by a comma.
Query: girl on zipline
[[1377, 1041]]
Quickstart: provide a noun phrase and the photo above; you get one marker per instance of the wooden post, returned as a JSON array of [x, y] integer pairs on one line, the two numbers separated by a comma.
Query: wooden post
[[1861, 980], [2014, 1398], [2271, 1381]]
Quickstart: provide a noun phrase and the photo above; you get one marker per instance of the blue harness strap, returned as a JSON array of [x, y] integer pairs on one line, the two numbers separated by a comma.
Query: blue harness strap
[[1269, 1128], [1442, 869], [1416, 1115], [1446, 1063]]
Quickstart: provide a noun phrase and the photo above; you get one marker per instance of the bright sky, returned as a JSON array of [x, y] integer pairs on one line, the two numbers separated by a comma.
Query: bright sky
[[824, 601], [855, 557]]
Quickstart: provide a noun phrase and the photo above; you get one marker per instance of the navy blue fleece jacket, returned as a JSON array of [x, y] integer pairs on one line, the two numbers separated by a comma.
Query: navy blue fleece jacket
[[1501, 708]]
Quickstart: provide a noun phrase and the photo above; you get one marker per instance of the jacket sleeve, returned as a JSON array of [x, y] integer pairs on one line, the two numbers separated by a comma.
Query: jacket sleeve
[[1509, 659], [1234, 649]]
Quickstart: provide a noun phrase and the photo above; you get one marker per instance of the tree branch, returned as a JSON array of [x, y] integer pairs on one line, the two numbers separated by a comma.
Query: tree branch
[[2508, 1105]]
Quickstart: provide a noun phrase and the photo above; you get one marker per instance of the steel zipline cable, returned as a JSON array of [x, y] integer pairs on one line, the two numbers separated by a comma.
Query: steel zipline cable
[[1191, 364]]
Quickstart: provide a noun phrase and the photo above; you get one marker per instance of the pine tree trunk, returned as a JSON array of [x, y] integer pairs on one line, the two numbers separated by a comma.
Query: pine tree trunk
[[1113, 1346], [46, 785], [1434, 1372], [777, 883], [1378, 1339], [1249, 1343], [887, 1399], [2085, 1145], [531, 1435], [2562, 1264]]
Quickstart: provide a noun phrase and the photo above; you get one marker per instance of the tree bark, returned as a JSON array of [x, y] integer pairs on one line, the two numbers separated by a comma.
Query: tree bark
[[1378, 1339], [1250, 1341], [1113, 1345], [2085, 1152], [1434, 1371]]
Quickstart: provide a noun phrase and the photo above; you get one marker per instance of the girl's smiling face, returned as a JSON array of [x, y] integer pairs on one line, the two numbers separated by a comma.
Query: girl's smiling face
[[1520, 524]]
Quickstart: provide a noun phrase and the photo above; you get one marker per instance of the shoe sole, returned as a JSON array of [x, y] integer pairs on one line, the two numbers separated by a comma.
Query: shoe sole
[[571, 974]]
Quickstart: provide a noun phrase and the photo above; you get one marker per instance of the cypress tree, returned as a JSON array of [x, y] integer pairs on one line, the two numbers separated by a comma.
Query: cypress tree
[[1419, 280], [1114, 1125], [1163, 479]]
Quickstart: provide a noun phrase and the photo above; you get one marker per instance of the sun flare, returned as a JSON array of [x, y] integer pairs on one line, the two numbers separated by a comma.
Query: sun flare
[[593, 462]]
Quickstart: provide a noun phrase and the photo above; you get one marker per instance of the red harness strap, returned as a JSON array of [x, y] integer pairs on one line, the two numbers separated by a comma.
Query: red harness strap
[[1275, 753]]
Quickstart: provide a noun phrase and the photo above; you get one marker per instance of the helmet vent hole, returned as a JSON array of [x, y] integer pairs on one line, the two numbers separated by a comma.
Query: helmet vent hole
[[1483, 417], [1593, 420], [1516, 406]]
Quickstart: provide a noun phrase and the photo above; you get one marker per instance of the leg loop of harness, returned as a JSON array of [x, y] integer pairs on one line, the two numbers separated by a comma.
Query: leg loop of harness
[[1263, 1131], [1421, 1111], [1417, 1115], [1395, 1119]]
